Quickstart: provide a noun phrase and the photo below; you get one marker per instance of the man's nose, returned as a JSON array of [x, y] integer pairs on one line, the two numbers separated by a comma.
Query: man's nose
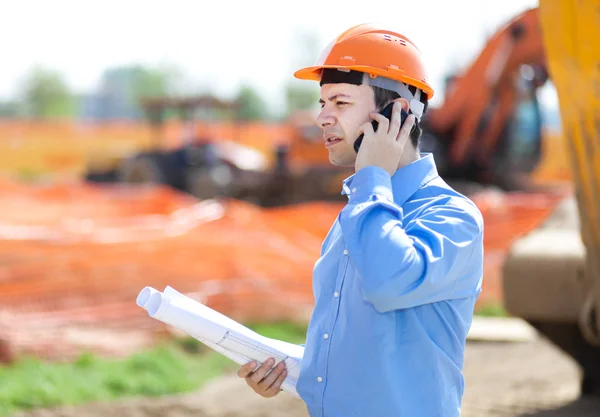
[[325, 118]]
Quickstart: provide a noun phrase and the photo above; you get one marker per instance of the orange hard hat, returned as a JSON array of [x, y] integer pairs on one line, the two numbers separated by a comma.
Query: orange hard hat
[[387, 56]]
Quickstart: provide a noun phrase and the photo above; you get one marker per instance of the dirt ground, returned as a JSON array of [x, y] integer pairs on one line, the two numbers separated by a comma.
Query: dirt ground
[[530, 379]]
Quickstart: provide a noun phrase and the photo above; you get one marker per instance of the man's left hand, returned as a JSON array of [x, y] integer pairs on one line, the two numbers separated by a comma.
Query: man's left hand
[[384, 148]]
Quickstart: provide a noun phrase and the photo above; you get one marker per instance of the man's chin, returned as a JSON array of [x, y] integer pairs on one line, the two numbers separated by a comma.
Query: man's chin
[[340, 163]]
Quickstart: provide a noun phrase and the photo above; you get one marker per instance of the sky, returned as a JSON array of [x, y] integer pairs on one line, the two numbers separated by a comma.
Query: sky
[[221, 44]]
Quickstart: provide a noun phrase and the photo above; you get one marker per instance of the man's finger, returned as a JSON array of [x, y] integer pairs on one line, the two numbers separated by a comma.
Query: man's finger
[[276, 387], [365, 129], [394, 128], [260, 373], [246, 369], [383, 121], [406, 128], [275, 373]]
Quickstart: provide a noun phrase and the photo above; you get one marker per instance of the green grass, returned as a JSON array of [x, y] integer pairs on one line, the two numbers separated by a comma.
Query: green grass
[[290, 332], [180, 366], [491, 310], [177, 367]]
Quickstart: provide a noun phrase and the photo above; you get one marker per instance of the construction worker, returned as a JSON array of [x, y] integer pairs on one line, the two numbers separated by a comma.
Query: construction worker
[[401, 268]]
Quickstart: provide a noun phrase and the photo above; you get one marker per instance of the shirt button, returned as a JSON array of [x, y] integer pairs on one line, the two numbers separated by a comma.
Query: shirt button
[[325, 336], [336, 294], [354, 190], [345, 251], [320, 379]]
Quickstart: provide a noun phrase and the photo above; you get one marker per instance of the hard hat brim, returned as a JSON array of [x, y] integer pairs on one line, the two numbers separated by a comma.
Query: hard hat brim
[[313, 73]]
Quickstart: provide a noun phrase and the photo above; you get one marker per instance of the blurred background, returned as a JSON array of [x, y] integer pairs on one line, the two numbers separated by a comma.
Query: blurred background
[[168, 143]]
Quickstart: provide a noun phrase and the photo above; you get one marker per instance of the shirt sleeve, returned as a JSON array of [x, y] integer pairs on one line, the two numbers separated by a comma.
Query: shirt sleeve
[[437, 256]]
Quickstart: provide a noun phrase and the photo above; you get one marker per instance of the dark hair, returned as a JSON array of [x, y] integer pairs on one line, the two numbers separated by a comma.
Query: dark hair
[[384, 97]]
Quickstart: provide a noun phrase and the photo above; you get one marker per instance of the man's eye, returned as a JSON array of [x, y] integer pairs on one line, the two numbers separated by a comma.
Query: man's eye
[[341, 103]]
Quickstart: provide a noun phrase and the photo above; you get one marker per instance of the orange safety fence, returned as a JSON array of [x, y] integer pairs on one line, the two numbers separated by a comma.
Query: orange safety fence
[[74, 257]]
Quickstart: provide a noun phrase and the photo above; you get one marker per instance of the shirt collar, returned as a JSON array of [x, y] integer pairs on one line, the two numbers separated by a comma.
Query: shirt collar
[[408, 179]]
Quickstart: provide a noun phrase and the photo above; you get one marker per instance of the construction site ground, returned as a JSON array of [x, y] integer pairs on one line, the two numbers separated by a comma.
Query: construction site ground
[[70, 270], [504, 379]]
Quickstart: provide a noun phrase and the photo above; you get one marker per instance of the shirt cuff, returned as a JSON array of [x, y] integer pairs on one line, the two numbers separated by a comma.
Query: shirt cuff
[[370, 181]]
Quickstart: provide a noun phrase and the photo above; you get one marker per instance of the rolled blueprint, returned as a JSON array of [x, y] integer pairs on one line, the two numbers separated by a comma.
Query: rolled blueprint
[[144, 296], [221, 333], [142, 301]]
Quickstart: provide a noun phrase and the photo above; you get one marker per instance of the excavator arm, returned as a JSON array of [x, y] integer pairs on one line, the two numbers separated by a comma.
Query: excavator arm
[[480, 103]]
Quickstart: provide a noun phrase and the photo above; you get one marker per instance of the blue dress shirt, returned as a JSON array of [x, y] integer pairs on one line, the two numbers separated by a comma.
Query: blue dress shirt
[[395, 288]]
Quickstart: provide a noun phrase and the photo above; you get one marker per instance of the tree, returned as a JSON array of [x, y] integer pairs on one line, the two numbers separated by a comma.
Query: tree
[[252, 105], [123, 88], [45, 95], [300, 96], [150, 82], [9, 109]]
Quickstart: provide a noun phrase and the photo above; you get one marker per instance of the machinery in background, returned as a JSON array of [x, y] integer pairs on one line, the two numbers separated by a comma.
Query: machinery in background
[[551, 276], [489, 128], [218, 155], [489, 125]]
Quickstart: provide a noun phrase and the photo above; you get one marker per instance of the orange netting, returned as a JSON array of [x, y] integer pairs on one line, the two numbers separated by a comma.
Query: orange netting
[[74, 257]]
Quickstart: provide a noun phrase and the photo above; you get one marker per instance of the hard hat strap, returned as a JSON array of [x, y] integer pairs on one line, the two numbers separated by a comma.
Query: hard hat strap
[[399, 87]]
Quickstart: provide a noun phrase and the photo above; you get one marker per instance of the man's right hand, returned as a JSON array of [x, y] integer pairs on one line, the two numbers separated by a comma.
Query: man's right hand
[[267, 386]]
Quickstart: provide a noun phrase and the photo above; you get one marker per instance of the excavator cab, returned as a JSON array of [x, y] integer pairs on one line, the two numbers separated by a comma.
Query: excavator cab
[[518, 147]]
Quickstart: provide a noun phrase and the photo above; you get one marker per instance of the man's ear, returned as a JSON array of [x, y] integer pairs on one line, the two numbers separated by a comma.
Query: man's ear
[[403, 102]]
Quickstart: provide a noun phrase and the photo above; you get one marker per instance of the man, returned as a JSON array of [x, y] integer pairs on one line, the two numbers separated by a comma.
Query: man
[[401, 268]]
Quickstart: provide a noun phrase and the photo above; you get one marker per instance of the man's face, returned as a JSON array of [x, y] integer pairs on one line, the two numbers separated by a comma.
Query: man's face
[[344, 108]]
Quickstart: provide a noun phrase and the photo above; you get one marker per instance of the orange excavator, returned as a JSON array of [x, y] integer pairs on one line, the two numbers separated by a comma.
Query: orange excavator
[[490, 123]]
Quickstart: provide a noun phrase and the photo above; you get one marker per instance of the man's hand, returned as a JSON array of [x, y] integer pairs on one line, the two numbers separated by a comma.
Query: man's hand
[[267, 386], [385, 147]]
